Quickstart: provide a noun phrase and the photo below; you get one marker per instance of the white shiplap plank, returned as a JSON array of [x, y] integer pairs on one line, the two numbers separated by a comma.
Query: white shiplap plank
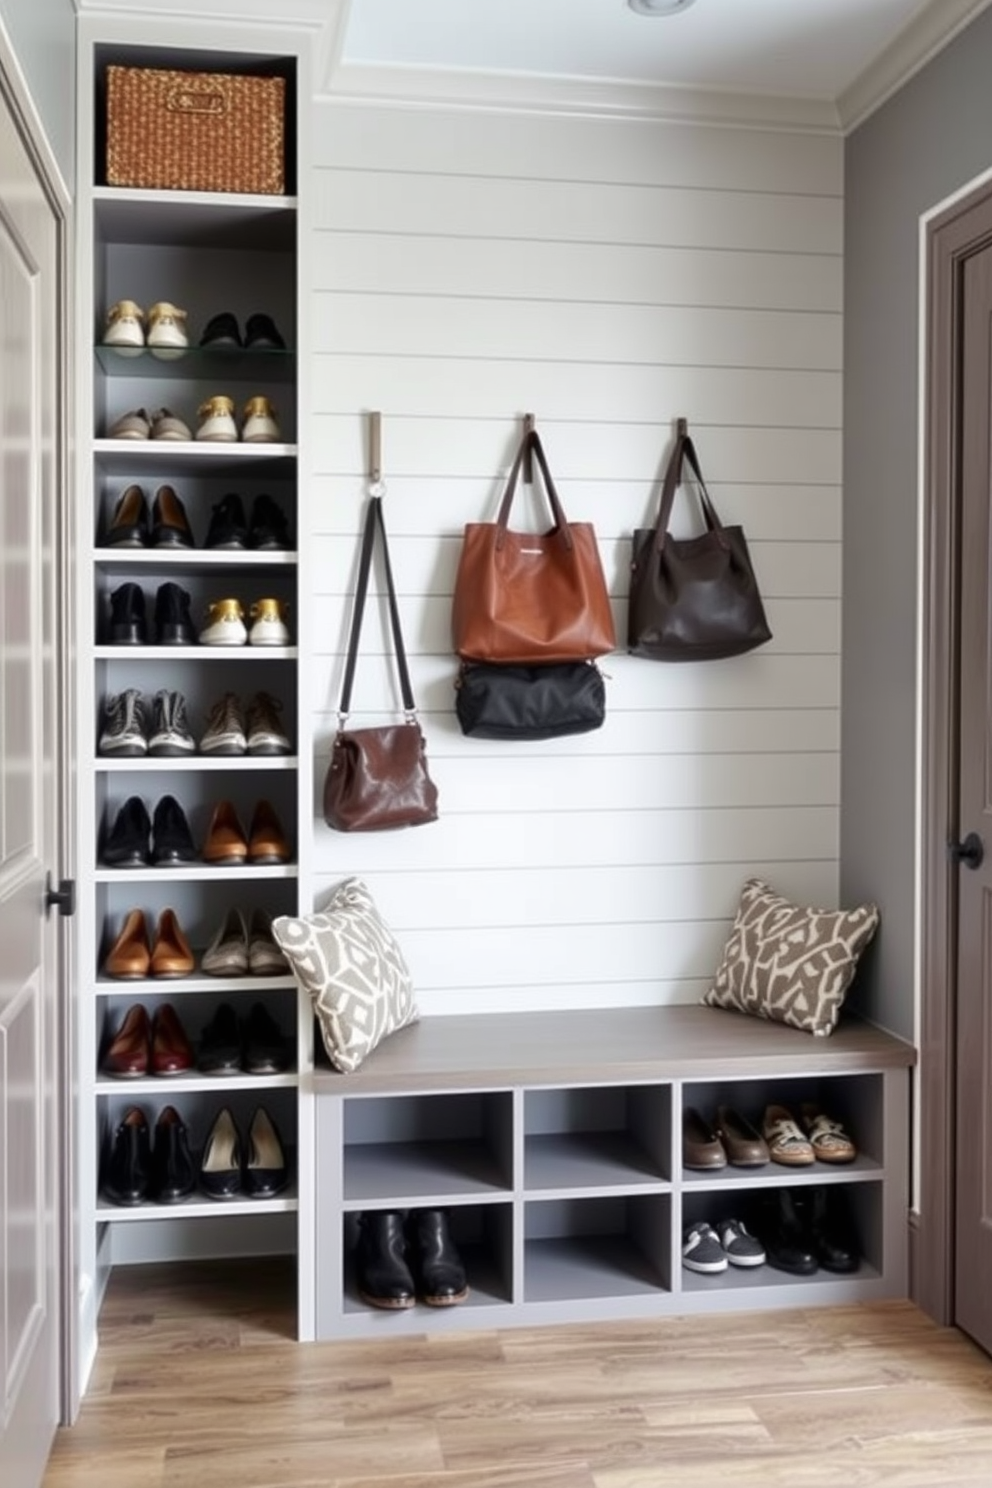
[[608, 392], [545, 148], [678, 335], [449, 446], [608, 273], [417, 506], [644, 991], [466, 206]]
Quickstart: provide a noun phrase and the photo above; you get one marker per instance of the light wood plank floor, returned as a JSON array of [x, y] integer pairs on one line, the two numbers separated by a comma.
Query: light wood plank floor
[[199, 1384]]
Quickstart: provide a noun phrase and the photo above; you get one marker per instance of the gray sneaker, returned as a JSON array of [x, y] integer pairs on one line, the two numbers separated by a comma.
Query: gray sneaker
[[265, 732], [123, 732], [740, 1246], [701, 1249], [170, 735], [225, 728]]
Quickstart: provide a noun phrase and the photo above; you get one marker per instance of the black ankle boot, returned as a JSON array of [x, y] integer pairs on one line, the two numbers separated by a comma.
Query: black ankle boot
[[173, 621], [127, 1167], [127, 616], [173, 1173], [785, 1234], [384, 1278], [441, 1280], [830, 1229]]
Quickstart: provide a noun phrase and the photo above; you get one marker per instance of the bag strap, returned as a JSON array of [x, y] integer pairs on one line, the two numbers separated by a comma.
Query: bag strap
[[531, 445], [685, 452], [374, 521]]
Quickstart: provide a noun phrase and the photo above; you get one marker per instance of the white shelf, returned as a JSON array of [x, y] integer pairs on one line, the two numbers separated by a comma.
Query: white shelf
[[165, 1087], [195, 1207], [198, 764]]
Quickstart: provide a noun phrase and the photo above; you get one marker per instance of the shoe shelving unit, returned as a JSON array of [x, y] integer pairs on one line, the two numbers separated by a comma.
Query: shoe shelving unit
[[206, 252], [554, 1141]]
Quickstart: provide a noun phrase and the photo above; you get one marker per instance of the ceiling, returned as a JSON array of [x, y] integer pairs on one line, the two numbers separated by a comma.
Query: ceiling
[[817, 51]]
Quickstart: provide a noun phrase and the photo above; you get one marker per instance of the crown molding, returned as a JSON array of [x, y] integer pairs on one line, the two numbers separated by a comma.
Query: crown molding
[[308, 15], [922, 39], [470, 89]]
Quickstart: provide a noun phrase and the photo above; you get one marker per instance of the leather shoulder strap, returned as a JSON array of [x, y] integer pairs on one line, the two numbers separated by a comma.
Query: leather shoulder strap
[[374, 521], [531, 444], [684, 453]]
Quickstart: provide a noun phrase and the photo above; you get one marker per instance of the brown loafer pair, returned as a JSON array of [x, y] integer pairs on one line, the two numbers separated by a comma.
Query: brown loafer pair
[[134, 955], [148, 1046], [228, 846]]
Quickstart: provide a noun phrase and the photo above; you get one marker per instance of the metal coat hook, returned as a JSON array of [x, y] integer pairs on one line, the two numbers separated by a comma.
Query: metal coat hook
[[682, 428], [528, 465]]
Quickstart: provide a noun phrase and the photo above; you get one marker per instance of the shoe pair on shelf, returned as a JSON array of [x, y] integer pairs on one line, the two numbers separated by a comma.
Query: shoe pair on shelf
[[164, 840], [268, 530], [136, 1171], [402, 1257], [162, 329], [804, 1229], [144, 1045], [134, 727], [133, 526], [732, 1138], [253, 1169], [137, 840], [261, 334], [138, 423], [172, 620], [226, 626], [136, 954], [710, 1249], [217, 423], [244, 948], [253, 1045]]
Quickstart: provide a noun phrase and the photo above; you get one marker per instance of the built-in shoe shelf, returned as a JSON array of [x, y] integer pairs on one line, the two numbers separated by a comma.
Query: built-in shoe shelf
[[554, 1142]]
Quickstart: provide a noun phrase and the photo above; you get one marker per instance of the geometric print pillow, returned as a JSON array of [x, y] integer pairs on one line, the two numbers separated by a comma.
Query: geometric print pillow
[[346, 959], [790, 963]]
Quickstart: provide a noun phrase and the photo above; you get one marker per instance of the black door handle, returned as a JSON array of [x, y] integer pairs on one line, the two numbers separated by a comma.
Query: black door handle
[[63, 898], [970, 852]]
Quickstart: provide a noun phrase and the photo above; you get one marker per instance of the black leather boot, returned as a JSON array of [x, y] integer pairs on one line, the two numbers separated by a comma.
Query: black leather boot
[[384, 1278], [173, 1173], [173, 621], [128, 626], [441, 1280], [785, 1234], [830, 1228], [127, 1169]]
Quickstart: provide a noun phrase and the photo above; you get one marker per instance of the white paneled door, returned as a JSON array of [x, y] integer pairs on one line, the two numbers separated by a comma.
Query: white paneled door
[[30, 1157]]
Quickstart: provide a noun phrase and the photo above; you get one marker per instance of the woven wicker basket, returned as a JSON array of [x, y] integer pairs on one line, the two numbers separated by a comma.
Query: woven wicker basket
[[195, 131]]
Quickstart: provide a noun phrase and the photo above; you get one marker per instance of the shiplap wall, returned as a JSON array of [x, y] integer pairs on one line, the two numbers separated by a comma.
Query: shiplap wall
[[608, 275]]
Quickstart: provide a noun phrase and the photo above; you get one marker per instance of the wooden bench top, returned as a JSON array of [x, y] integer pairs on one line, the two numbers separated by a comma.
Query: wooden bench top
[[609, 1046]]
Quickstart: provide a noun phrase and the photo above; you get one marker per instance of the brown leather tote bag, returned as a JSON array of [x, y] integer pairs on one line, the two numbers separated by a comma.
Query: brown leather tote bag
[[692, 599], [526, 598]]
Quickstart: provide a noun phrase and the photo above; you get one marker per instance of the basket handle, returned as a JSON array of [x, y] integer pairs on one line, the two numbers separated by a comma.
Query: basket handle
[[195, 101]]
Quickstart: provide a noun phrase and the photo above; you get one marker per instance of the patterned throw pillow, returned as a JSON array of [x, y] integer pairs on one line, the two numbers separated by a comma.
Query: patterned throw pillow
[[790, 963], [346, 958]]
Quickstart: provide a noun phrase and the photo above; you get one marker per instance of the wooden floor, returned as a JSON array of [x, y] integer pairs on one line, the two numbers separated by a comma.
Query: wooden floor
[[199, 1384]]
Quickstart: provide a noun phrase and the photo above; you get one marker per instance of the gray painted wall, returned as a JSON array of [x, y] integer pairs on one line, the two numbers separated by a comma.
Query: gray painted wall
[[42, 33], [934, 136]]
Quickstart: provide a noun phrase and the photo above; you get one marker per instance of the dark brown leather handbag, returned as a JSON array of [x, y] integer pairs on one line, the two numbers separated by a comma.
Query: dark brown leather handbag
[[692, 599], [527, 598], [377, 778]]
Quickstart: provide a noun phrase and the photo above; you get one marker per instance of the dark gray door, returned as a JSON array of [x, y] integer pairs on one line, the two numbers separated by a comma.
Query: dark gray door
[[973, 1114]]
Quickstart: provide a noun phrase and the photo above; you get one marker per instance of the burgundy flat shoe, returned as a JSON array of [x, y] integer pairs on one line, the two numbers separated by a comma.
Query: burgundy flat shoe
[[171, 1051], [127, 1056]]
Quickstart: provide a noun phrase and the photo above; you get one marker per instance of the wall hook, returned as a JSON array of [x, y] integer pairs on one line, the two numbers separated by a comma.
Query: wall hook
[[528, 465]]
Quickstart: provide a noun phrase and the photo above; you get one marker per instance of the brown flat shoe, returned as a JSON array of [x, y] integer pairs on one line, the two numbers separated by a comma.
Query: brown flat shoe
[[701, 1147], [130, 955], [266, 840], [827, 1137], [744, 1144], [786, 1143], [171, 953], [226, 843], [127, 1056], [171, 1052], [170, 524]]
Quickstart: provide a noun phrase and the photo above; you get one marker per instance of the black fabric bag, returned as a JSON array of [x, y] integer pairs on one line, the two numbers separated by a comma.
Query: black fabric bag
[[502, 701], [692, 599]]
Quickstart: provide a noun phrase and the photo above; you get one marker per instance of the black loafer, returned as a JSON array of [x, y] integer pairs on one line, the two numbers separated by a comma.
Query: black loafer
[[384, 1278], [441, 1280], [221, 330], [264, 1045], [128, 841], [261, 334], [172, 840], [228, 528], [269, 528], [220, 1043]]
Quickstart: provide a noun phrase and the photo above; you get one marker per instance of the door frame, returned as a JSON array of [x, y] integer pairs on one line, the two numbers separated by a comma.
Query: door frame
[[17, 99], [949, 235]]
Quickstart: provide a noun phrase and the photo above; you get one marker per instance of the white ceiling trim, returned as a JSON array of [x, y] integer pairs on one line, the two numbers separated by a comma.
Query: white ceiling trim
[[918, 44], [467, 89]]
